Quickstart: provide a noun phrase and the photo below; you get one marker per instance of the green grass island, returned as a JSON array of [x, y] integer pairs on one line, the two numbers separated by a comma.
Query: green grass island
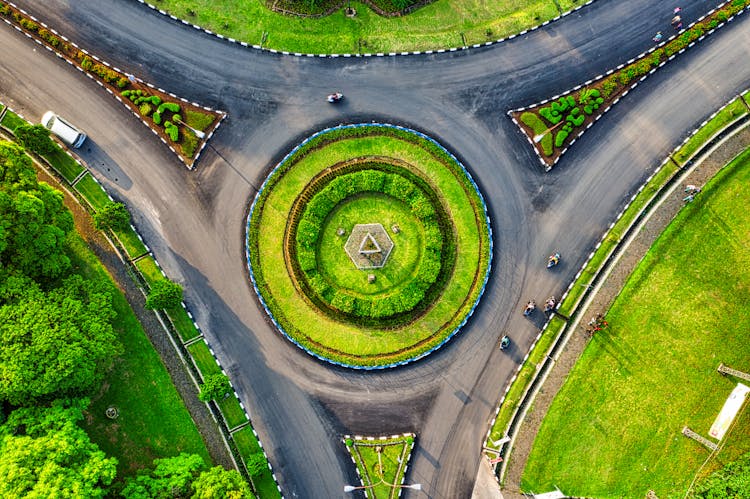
[[369, 246]]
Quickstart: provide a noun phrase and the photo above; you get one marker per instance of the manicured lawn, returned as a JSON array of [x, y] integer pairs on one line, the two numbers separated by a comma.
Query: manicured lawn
[[204, 361], [334, 262], [393, 452], [153, 422], [232, 411], [439, 25], [149, 270], [361, 345], [248, 445], [92, 192], [723, 118], [64, 164], [132, 244], [614, 428], [182, 323], [11, 120]]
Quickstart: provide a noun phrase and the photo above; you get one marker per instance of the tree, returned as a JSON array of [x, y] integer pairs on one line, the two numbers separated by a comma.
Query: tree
[[164, 294], [218, 482], [733, 480], [113, 216], [44, 453], [55, 343], [171, 477], [256, 464], [33, 220], [215, 387], [35, 138]]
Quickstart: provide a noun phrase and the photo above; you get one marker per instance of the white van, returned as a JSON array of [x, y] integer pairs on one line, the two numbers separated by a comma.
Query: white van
[[69, 134]]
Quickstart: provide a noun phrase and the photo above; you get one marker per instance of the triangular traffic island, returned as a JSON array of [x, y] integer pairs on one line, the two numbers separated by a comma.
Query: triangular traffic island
[[381, 464]]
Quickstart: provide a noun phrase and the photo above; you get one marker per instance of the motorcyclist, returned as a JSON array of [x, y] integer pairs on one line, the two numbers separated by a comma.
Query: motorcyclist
[[553, 260], [530, 306]]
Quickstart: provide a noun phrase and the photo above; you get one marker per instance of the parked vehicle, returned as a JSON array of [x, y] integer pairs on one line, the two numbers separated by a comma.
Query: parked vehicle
[[69, 134]]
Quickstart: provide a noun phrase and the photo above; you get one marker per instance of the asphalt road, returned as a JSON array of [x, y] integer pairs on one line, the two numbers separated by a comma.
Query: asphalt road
[[194, 221]]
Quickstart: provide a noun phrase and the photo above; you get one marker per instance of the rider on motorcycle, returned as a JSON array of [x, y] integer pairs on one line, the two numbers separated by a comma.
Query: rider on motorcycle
[[553, 260], [530, 306]]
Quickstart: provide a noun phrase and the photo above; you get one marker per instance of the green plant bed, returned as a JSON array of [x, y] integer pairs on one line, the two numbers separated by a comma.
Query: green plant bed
[[64, 164], [92, 192], [247, 444], [337, 338], [232, 411], [653, 371], [132, 244], [11, 121], [182, 323], [381, 463], [149, 270], [203, 359], [572, 113], [438, 25]]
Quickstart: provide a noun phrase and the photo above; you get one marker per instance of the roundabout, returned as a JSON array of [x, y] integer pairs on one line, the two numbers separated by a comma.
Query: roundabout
[[369, 246]]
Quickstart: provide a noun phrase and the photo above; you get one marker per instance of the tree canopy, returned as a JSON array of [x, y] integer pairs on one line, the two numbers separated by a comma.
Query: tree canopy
[[215, 387], [733, 480], [164, 294], [33, 220], [53, 343], [171, 477], [44, 453], [218, 482], [35, 138], [113, 216]]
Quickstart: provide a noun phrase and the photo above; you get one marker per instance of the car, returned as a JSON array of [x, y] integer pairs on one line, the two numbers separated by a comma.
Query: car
[[66, 132]]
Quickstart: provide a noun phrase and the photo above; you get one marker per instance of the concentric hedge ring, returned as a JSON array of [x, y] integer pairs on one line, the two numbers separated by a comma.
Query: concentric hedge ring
[[380, 176]]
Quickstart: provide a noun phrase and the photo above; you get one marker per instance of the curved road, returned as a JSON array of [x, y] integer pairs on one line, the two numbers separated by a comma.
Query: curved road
[[194, 221]]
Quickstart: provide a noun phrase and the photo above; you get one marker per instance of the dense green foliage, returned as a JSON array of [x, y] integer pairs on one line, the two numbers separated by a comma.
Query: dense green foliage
[[164, 294], [33, 220], [35, 138], [44, 453], [732, 481], [53, 343], [170, 477], [114, 216], [215, 387], [256, 464], [218, 482], [342, 187]]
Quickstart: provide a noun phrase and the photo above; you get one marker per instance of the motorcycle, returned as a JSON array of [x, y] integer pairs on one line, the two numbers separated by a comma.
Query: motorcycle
[[504, 343], [553, 260], [334, 97], [530, 307], [549, 305]]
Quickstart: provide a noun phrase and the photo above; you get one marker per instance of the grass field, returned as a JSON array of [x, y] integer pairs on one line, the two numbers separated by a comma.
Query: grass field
[[358, 345], [443, 24], [92, 192], [153, 421], [334, 263], [614, 428], [248, 445], [730, 113]]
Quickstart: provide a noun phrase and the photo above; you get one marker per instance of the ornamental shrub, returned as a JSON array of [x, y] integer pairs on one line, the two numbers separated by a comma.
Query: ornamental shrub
[[155, 100], [169, 106], [173, 132], [86, 63], [122, 82], [145, 109], [608, 86], [307, 234], [560, 137], [550, 115], [157, 118]]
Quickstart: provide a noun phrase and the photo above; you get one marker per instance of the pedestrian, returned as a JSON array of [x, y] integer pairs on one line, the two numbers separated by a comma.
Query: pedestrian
[[677, 10], [689, 198], [690, 188]]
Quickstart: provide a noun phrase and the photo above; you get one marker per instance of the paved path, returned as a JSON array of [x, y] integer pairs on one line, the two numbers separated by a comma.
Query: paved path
[[194, 221]]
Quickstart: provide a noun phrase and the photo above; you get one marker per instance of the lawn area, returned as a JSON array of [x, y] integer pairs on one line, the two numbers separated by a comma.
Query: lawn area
[[64, 164], [247, 445], [182, 323], [438, 25], [334, 263], [614, 428], [11, 120], [92, 192], [132, 244], [153, 422], [204, 361], [392, 453], [149, 270]]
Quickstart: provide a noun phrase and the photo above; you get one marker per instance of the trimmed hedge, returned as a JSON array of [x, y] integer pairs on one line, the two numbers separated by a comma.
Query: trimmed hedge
[[309, 228]]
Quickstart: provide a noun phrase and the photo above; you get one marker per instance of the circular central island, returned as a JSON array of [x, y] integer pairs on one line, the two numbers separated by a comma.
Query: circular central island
[[369, 246]]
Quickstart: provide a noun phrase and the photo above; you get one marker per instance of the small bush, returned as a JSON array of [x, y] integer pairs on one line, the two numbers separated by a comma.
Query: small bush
[[86, 63], [155, 100], [560, 137], [145, 109], [157, 118]]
